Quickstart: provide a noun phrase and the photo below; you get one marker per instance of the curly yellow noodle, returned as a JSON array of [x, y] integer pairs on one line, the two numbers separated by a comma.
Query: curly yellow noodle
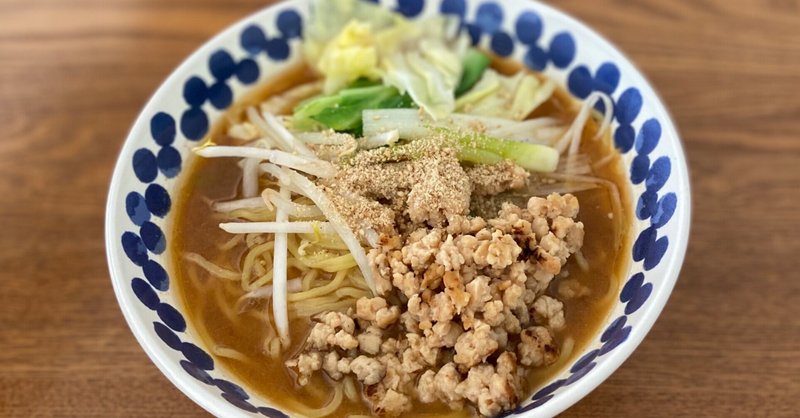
[[320, 281], [566, 349], [231, 288], [313, 306], [200, 326], [254, 215], [611, 294], [604, 161], [231, 243], [225, 307], [258, 267], [581, 260], [250, 259], [254, 239], [327, 241], [328, 263], [267, 258], [330, 407], [191, 272], [308, 279], [275, 348], [319, 291], [291, 245], [262, 281], [358, 280], [230, 353], [270, 328], [301, 248], [350, 389], [318, 393], [361, 285], [293, 262], [212, 268], [351, 292]]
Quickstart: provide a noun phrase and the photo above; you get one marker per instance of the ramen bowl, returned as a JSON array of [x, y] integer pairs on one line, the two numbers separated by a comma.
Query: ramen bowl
[[154, 158]]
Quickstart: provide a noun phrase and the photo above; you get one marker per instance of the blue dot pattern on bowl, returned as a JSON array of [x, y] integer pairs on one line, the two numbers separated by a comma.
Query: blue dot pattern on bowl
[[169, 161], [136, 208], [526, 32], [145, 165], [142, 248], [505, 35]]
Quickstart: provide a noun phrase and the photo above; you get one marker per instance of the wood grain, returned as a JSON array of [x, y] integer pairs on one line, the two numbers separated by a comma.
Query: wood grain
[[73, 76]]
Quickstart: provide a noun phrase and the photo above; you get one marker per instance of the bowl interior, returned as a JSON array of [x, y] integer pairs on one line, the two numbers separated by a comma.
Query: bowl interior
[[223, 70]]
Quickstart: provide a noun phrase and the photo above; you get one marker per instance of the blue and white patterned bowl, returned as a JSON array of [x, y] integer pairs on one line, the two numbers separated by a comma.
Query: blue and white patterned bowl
[[249, 52]]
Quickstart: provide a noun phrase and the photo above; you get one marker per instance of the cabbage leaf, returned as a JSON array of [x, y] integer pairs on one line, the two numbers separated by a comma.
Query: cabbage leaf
[[350, 56], [511, 97], [351, 39]]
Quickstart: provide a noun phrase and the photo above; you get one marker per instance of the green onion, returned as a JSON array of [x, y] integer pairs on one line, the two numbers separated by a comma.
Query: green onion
[[473, 155], [483, 149], [455, 132], [475, 63]]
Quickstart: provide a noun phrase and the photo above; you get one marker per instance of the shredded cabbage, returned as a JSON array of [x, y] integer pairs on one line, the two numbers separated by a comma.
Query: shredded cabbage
[[349, 56], [351, 39], [512, 97], [329, 17], [429, 74]]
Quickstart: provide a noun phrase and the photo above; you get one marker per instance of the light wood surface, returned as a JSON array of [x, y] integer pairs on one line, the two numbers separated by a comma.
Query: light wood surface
[[74, 74]]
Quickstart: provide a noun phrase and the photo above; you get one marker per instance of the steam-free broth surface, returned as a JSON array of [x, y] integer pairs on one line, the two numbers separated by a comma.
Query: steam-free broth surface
[[211, 303]]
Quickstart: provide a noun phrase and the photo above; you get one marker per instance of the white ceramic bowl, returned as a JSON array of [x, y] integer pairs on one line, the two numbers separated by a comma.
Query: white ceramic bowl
[[244, 55]]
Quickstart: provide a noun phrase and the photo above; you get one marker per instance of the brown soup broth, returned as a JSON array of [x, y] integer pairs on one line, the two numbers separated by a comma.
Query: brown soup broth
[[210, 302]]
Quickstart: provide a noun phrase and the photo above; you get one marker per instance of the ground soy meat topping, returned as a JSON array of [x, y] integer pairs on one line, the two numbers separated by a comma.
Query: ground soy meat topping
[[379, 189], [461, 313]]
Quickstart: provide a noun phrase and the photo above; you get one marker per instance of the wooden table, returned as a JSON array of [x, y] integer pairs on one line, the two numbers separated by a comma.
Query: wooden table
[[74, 74]]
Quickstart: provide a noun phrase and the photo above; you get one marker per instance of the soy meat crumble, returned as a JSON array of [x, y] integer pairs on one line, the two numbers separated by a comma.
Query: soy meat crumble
[[461, 312]]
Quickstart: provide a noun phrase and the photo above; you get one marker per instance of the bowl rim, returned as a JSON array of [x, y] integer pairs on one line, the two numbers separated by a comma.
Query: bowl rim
[[647, 315], [143, 336], [654, 307]]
